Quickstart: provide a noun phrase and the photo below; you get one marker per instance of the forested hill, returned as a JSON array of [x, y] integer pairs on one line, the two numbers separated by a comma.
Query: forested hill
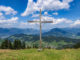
[[34, 38]]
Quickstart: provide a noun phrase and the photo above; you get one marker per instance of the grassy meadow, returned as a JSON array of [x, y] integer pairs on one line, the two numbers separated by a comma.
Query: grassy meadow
[[33, 54]]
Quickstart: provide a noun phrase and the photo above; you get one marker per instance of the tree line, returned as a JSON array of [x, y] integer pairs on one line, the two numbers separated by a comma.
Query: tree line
[[17, 44]]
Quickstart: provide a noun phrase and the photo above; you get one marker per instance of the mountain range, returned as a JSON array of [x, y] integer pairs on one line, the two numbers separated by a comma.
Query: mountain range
[[58, 32], [64, 32], [56, 37], [6, 32]]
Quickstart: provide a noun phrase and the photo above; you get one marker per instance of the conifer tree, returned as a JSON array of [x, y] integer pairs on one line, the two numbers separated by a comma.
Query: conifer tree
[[17, 44], [23, 45], [6, 44]]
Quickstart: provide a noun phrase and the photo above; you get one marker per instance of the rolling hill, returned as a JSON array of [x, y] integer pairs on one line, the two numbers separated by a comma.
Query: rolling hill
[[34, 38], [47, 40]]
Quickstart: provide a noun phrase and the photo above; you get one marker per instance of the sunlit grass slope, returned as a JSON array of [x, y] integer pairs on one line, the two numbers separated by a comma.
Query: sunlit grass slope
[[33, 54]]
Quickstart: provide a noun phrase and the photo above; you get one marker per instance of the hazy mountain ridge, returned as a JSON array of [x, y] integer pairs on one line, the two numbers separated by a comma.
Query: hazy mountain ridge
[[58, 32], [5, 32]]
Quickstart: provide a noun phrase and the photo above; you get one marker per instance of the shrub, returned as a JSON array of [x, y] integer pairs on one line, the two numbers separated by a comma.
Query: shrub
[[77, 45]]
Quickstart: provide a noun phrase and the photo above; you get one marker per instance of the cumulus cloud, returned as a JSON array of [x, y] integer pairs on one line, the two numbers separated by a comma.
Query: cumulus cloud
[[45, 13], [8, 22], [8, 10], [76, 23], [35, 15], [46, 5], [62, 20], [12, 20], [1, 14], [58, 23], [67, 1], [61, 23], [56, 13], [28, 25]]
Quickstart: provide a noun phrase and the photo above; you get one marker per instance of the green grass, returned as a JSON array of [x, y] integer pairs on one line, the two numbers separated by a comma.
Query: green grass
[[33, 54]]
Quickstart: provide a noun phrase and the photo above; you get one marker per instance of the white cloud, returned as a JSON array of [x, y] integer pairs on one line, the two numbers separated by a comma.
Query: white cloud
[[45, 5], [28, 25], [55, 13], [67, 1], [45, 13], [2, 17], [35, 15], [62, 22], [12, 20], [5, 22], [76, 23], [8, 10], [56, 21], [1, 14], [9, 22]]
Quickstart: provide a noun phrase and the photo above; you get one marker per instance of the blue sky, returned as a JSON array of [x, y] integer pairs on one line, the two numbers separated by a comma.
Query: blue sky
[[16, 13]]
